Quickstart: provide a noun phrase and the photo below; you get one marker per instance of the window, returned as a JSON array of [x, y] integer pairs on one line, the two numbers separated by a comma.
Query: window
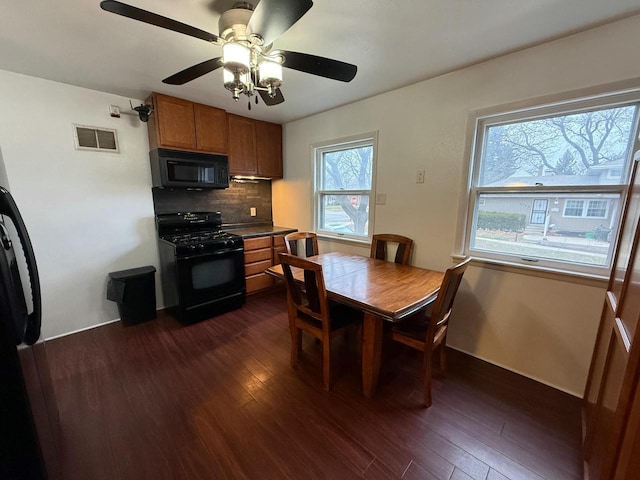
[[547, 183], [573, 208], [344, 171], [597, 209], [586, 208]]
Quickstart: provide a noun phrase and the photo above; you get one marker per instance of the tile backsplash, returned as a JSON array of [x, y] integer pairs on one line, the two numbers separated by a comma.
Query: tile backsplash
[[234, 202]]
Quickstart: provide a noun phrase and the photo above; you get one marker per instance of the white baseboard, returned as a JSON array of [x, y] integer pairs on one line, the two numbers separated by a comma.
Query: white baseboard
[[573, 394], [89, 327]]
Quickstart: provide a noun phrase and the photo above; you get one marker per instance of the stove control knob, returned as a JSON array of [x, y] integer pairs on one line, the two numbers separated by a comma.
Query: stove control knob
[[192, 247], [201, 246]]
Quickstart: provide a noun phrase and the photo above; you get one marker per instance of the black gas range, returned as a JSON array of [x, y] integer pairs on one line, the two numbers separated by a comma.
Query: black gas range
[[202, 266]]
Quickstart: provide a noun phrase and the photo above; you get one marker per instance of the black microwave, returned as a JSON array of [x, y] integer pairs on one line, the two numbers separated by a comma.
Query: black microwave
[[178, 169]]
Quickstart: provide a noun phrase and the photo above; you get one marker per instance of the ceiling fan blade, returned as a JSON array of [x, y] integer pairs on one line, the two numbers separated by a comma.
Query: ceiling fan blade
[[194, 72], [272, 18], [158, 20], [279, 98], [324, 67]]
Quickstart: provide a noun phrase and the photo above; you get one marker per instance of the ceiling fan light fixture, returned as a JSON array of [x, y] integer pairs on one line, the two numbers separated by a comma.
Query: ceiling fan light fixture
[[246, 36], [236, 83], [236, 57], [270, 74]]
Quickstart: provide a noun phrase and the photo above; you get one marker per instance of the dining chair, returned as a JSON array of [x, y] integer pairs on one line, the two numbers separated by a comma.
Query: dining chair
[[309, 239], [379, 247], [428, 333], [311, 312]]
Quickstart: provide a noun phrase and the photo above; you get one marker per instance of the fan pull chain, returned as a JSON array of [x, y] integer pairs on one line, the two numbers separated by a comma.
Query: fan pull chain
[[249, 105]]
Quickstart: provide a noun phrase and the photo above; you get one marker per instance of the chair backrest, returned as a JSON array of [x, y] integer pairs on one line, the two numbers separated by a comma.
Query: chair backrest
[[308, 297], [309, 239], [379, 247], [447, 294]]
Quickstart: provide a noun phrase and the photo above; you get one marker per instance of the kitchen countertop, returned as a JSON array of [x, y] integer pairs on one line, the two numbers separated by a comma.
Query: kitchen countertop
[[260, 230]]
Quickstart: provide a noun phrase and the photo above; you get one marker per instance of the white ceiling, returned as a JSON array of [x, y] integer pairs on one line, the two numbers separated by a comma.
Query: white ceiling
[[393, 42]]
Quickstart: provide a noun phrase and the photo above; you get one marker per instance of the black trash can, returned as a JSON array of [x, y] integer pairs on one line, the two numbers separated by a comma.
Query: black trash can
[[135, 292]]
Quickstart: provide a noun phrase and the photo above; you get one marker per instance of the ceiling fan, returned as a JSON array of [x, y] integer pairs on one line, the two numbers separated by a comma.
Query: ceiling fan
[[246, 36]]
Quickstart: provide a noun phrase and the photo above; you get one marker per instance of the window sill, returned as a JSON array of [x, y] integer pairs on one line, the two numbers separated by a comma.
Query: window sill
[[591, 280], [349, 240]]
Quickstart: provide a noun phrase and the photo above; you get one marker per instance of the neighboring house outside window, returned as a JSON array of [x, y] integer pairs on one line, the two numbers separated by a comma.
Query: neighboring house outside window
[[547, 183], [344, 186]]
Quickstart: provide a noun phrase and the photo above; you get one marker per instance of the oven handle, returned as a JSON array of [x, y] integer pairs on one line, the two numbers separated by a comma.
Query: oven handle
[[218, 252]]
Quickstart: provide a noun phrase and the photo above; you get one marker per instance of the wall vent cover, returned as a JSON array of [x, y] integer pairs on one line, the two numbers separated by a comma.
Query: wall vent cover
[[95, 138]]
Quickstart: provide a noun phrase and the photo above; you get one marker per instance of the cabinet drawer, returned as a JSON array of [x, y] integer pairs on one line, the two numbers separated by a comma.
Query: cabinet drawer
[[278, 241], [257, 267], [256, 243], [257, 255], [258, 282], [276, 251]]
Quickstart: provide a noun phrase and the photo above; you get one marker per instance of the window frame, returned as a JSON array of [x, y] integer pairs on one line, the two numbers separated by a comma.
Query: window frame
[[588, 206], [481, 120], [584, 210], [566, 207], [344, 143]]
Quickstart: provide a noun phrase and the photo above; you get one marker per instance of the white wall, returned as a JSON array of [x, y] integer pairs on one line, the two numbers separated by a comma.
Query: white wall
[[540, 327], [88, 213]]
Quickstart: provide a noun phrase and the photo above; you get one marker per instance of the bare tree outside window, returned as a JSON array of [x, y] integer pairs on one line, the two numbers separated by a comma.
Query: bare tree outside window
[[549, 182], [344, 183], [562, 145], [350, 170]]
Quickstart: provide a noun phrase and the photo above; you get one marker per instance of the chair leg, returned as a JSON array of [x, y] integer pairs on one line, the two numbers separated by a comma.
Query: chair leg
[[443, 357], [296, 344], [427, 378], [326, 363]]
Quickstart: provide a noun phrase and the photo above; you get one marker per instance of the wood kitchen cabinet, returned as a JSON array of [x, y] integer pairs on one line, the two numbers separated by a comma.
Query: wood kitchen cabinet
[[269, 149], [180, 124], [242, 146], [278, 247], [255, 147], [611, 414], [258, 254]]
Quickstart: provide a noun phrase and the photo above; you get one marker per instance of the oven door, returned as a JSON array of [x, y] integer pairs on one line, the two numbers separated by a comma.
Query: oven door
[[206, 277]]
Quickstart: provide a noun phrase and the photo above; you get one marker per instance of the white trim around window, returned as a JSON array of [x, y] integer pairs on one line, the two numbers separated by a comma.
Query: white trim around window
[[486, 198], [344, 187]]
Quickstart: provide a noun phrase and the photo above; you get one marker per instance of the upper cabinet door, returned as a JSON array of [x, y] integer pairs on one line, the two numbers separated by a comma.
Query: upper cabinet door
[[211, 128], [175, 122], [269, 149], [242, 146]]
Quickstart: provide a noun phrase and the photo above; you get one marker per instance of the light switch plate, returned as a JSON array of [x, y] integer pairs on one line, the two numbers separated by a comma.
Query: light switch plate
[[381, 198], [252, 211]]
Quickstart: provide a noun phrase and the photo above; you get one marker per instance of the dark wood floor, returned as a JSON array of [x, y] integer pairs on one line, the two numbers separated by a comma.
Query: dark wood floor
[[218, 399]]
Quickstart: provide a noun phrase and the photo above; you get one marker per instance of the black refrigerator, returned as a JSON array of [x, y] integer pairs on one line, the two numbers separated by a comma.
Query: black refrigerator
[[29, 421]]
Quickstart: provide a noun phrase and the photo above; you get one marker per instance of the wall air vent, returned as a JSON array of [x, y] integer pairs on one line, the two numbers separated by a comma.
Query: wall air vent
[[94, 138]]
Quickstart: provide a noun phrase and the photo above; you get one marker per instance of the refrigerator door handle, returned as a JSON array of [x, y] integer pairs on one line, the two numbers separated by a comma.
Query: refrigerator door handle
[[9, 208]]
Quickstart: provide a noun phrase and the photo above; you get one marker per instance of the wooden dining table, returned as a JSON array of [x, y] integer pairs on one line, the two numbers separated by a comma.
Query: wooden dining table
[[384, 291]]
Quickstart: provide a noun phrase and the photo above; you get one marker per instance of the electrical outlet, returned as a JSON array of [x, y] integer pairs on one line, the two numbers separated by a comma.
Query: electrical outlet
[[114, 111], [381, 198], [252, 211], [420, 176]]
